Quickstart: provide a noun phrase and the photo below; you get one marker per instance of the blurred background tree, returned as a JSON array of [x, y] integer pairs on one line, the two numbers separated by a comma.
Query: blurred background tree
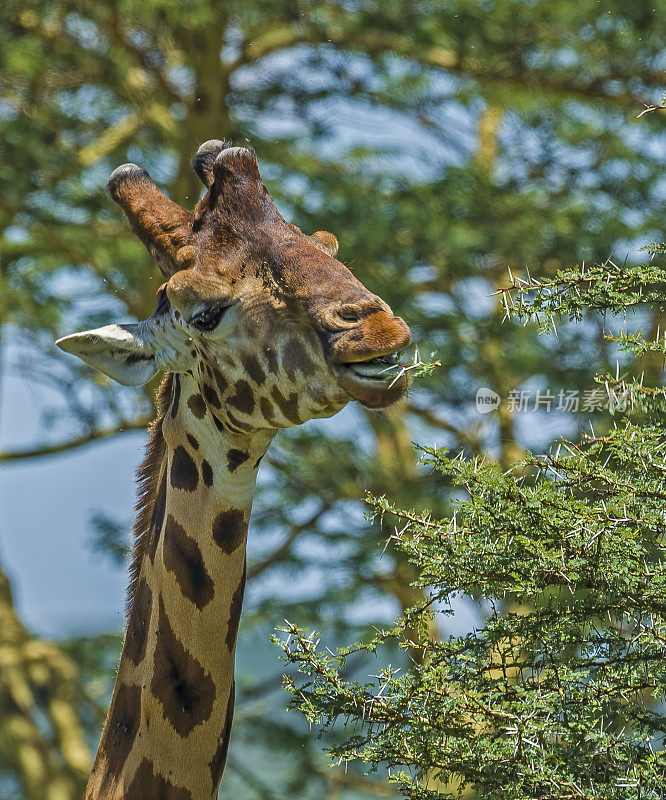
[[441, 141]]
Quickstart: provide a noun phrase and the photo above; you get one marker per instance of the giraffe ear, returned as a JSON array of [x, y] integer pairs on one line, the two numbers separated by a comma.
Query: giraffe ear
[[120, 351]]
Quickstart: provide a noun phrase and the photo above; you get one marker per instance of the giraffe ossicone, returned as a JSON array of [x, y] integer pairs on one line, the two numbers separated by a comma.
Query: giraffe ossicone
[[259, 327]]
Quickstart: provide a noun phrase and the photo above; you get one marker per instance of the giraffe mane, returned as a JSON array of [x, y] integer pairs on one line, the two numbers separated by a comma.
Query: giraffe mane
[[147, 477]]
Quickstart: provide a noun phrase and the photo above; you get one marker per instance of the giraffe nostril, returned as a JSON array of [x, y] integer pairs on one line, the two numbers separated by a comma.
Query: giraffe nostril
[[350, 313]]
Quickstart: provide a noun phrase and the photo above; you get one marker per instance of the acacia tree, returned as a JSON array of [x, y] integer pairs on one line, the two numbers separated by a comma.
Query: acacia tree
[[504, 138], [560, 692]]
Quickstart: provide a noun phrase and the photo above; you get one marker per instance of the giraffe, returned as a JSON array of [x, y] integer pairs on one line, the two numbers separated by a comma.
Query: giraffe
[[258, 327]]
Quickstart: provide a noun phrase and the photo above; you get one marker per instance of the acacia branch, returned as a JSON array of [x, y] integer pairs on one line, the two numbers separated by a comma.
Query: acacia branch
[[72, 444], [648, 109]]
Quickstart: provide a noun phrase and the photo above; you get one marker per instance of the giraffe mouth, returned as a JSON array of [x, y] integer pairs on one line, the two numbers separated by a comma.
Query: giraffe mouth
[[375, 382], [380, 368]]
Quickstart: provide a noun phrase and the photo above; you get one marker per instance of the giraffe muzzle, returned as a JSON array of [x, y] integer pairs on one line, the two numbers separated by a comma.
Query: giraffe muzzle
[[366, 359]]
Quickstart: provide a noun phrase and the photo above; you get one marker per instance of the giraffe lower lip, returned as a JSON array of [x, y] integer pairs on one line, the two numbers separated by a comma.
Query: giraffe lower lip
[[371, 384], [373, 374], [376, 370]]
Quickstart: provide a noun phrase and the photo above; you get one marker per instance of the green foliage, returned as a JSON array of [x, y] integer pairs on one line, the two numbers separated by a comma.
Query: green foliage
[[602, 287], [559, 693]]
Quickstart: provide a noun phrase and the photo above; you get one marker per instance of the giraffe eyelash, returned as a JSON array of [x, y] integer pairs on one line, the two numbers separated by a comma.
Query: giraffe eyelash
[[208, 318]]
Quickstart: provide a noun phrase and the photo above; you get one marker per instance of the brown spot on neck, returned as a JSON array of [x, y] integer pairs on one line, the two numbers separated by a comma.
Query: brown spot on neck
[[183, 558], [148, 785], [184, 474], [229, 529], [207, 473], [235, 458], [243, 400], [219, 760], [180, 684], [288, 406], [197, 406], [137, 628], [267, 410], [211, 395], [121, 729], [253, 368]]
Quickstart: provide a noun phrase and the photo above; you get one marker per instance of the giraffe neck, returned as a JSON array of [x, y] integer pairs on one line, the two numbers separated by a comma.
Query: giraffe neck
[[167, 731]]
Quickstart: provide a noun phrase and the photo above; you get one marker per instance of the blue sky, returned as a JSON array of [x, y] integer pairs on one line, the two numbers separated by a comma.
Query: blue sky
[[61, 585]]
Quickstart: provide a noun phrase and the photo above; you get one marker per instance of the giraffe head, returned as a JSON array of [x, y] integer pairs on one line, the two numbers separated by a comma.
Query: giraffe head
[[273, 328]]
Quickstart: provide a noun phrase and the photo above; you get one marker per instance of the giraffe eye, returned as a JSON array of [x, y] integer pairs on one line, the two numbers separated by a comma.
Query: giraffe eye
[[208, 318]]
